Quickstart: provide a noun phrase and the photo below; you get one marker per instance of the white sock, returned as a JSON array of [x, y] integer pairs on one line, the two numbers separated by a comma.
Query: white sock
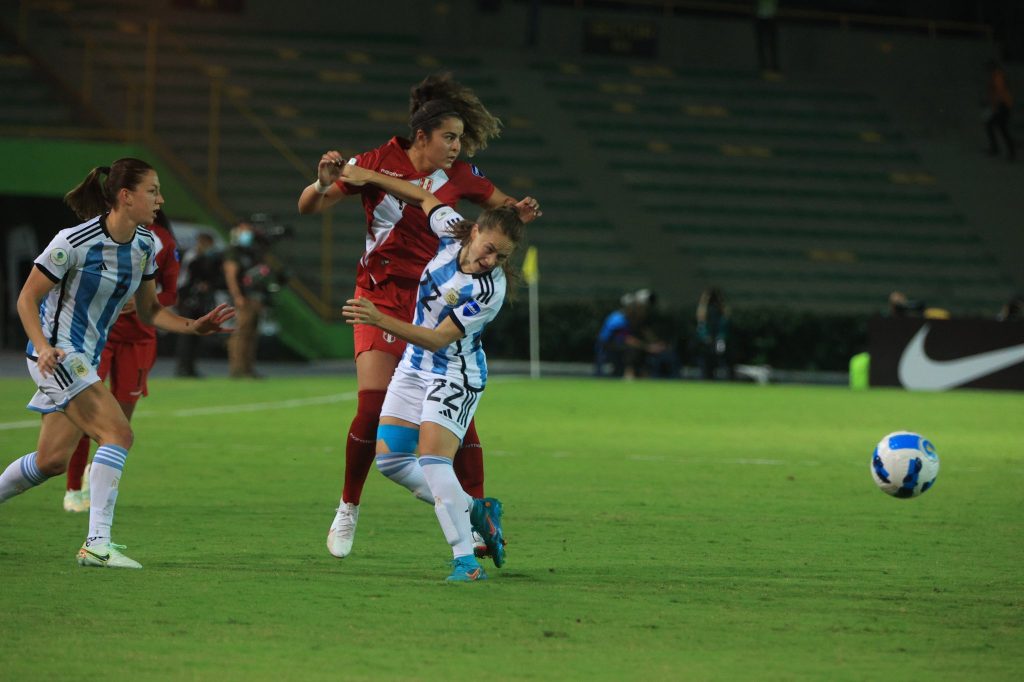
[[451, 503], [104, 476], [405, 470], [19, 476]]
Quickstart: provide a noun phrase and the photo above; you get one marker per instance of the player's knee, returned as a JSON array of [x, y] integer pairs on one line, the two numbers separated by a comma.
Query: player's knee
[[369, 404], [394, 438], [52, 462], [121, 435]]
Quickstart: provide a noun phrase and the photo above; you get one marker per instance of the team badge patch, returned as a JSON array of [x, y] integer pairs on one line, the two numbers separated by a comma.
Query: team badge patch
[[143, 261], [390, 338], [471, 308], [78, 367], [451, 297], [58, 257], [476, 171]]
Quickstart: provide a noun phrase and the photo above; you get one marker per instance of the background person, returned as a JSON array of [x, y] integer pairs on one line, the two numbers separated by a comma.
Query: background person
[[243, 262], [714, 326], [997, 118], [445, 117], [201, 275], [619, 343]]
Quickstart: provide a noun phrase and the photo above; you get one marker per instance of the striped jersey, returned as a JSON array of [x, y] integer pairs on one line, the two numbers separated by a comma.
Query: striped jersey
[[93, 277], [398, 241], [129, 328], [469, 300]]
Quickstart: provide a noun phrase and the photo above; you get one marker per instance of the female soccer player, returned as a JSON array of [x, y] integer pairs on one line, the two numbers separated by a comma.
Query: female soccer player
[[445, 117], [80, 283], [438, 384], [129, 355]]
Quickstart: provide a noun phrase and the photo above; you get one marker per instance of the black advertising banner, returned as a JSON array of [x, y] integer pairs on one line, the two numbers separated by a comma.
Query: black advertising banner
[[938, 355]]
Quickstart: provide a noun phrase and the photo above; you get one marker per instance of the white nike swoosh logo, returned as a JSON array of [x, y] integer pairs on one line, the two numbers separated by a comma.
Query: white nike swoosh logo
[[919, 372]]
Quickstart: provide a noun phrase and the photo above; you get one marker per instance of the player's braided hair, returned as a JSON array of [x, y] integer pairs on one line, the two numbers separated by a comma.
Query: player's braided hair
[[506, 220], [438, 97], [94, 196]]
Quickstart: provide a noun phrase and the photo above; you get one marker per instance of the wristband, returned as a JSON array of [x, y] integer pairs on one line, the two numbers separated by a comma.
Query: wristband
[[320, 187]]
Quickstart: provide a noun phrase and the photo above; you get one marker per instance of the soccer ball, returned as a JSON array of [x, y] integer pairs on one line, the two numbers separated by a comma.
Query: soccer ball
[[904, 464]]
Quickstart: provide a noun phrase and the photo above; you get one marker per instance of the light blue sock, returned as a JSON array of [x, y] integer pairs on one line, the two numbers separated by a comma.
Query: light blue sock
[[405, 470], [104, 480], [19, 476], [451, 503]]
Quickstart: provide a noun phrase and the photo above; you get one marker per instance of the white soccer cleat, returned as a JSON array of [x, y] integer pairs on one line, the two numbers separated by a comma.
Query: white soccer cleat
[[343, 530], [107, 555], [76, 501]]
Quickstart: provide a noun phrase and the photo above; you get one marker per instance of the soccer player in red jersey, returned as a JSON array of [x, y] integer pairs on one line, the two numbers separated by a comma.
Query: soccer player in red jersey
[[445, 118], [128, 356]]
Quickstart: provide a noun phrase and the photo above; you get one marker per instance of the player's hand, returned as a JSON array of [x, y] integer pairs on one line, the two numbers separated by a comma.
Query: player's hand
[[361, 311], [212, 322], [129, 306], [528, 209], [329, 168], [355, 175], [47, 360]]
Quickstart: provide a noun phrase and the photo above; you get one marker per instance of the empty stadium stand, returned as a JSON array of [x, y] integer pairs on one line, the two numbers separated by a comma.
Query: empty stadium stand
[[784, 191]]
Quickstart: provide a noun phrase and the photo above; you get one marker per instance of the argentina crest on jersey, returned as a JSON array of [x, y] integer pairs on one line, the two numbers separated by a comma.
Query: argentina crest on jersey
[[469, 301]]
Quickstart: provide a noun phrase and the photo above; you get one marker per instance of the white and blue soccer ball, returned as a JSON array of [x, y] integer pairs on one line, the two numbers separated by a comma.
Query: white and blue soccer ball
[[905, 464]]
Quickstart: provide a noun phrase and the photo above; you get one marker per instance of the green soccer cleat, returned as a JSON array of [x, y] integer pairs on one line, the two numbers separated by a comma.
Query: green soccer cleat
[[76, 501], [465, 569], [486, 519], [107, 555]]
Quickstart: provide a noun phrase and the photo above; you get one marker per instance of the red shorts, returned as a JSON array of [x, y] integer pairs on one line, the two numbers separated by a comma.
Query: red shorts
[[394, 297], [127, 365]]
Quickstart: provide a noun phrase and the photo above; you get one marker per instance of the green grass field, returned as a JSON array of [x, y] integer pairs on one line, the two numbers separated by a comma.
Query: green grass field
[[668, 531]]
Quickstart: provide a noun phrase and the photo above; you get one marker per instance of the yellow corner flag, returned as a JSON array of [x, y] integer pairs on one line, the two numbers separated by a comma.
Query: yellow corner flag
[[530, 272]]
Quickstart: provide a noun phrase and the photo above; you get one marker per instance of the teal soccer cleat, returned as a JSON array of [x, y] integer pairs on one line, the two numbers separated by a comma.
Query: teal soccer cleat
[[486, 519], [465, 569]]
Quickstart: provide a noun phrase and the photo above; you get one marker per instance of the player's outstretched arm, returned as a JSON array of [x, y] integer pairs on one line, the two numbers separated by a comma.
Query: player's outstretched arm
[[152, 313], [402, 189], [362, 311]]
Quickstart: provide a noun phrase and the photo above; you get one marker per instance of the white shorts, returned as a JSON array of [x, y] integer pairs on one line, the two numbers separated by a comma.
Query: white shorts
[[419, 397], [73, 375]]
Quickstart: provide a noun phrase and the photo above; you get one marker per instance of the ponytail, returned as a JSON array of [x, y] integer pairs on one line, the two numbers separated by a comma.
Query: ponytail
[[94, 196]]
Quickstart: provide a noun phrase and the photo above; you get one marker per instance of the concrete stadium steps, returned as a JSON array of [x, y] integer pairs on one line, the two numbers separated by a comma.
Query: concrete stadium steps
[[798, 194], [28, 100], [328, 90]]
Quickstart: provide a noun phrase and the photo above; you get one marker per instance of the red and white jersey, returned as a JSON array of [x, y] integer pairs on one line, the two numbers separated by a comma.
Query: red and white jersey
[[399, 242], [128, 326]]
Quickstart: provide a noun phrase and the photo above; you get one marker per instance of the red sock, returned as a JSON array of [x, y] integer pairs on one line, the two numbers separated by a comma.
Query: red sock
[[76, 467], [469, 463], [361, 444]]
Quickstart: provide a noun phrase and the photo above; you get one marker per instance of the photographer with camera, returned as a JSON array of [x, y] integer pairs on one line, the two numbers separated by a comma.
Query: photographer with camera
[[251, 281]]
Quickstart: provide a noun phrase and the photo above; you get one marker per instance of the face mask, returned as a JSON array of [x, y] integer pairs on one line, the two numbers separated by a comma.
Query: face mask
[[245, 239]]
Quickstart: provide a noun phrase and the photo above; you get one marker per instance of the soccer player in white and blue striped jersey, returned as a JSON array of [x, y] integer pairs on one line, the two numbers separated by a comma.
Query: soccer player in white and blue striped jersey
[[441, 377], [68, 304]]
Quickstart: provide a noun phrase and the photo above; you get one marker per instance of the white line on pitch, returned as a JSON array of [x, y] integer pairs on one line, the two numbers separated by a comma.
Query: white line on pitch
[[216, 409]]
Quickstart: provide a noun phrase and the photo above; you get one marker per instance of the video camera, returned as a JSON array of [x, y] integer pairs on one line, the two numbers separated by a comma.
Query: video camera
[[268, 230]]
